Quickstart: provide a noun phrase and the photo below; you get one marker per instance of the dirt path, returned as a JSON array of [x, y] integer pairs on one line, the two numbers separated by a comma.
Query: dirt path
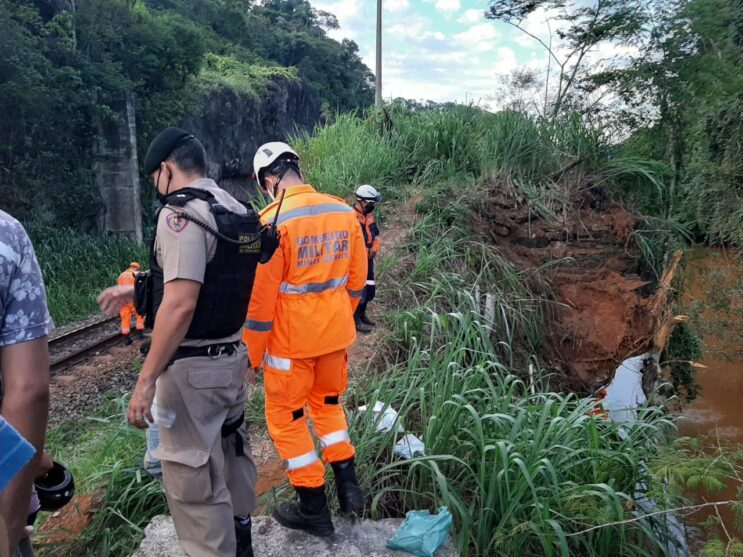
[[394, 229]]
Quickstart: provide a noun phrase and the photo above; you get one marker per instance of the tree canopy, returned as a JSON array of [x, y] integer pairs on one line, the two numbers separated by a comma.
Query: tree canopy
[[65, 66]]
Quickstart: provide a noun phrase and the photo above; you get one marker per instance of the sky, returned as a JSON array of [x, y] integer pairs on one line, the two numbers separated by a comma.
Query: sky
[[441, 50]]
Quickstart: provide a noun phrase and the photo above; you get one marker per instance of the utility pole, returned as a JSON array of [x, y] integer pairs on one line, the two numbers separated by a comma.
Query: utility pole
[[378, 94]]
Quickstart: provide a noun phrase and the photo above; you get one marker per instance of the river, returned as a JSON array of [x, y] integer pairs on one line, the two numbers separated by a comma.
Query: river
[[713, 297]]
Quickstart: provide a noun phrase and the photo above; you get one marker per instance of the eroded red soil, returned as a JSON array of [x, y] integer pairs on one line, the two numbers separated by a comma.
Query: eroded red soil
[[605, 310]]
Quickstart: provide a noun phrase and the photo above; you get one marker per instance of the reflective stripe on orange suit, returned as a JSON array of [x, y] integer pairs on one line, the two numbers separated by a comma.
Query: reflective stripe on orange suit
[[299, 324], [128, 311]]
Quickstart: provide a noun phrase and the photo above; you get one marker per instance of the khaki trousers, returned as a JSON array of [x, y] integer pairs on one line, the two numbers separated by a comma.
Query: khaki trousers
[[206, 482]]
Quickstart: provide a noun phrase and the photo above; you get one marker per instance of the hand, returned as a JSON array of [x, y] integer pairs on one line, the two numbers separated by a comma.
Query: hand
[[140, 405], [112, 299], [250, 374]]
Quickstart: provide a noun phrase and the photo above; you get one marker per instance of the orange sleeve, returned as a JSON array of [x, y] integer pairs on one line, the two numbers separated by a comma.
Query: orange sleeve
[[359, 267], [376, 245], [262, 306]]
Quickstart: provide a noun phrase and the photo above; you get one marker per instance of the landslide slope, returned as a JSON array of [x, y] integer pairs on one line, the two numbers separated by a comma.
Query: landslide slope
[[606, 307]]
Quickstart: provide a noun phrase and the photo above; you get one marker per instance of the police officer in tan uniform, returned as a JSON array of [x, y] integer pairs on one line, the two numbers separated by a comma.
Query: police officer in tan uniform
[[202, 269]]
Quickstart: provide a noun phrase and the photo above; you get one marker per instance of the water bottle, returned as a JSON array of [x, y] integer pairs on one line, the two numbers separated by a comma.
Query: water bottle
[[162, 416]]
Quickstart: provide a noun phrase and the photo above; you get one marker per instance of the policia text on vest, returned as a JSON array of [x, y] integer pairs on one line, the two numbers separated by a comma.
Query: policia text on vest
[[202, 266]]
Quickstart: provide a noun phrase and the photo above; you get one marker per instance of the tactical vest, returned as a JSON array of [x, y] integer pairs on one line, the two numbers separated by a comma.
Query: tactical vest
[[228, 280]]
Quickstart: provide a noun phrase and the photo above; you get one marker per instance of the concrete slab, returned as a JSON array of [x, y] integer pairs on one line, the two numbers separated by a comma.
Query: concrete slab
[[365, 538]]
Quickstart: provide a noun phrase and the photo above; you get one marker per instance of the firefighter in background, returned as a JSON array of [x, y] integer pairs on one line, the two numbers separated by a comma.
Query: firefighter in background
[[128, 311], [366, 198], [299, 325]]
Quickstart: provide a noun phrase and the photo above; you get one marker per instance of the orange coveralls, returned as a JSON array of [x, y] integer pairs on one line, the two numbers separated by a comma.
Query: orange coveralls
[[127, 312], [299, 324]]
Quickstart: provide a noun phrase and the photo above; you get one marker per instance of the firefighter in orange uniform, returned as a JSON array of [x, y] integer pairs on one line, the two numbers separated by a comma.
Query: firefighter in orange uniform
[[127, 312], [366, 198], [300, 322]]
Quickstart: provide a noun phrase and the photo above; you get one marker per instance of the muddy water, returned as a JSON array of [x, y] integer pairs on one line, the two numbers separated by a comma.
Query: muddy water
[[714, 301], [713, 298]]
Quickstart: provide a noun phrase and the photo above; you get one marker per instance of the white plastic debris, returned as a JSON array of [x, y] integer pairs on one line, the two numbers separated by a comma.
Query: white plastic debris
[[624, 394], [385, 417], [408, 446]]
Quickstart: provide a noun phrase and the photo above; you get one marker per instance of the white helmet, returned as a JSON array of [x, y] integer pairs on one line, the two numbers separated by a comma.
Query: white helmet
[[368, 193], [267, 154]]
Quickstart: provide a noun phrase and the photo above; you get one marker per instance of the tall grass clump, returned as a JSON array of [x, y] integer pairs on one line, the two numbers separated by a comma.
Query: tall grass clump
[[76, 267], [514, 144], [441, 140], [521, 468], [350, 152]]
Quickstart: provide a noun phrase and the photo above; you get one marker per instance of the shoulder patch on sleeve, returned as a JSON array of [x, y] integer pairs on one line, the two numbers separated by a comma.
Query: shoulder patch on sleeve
[[176, 222]]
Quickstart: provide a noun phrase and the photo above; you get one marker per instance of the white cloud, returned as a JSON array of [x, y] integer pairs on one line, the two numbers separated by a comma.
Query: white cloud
[[471, 16], [396, 5], [448, 5], [480, 37]]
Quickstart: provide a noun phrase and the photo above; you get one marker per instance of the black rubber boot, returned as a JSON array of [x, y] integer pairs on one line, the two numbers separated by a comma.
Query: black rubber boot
[[350, 496], [310, 514], [361, 327], [244, 539], [128, 339], [364, 319]]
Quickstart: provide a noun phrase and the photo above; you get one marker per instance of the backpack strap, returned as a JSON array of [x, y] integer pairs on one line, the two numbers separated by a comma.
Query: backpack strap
[[181, 197]]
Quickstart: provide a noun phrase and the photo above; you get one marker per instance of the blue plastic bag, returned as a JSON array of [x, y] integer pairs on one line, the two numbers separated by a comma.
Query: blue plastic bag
[[422, 533]]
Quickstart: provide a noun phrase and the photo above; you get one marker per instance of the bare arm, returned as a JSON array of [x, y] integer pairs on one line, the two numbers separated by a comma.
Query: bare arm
[[172, 323], [25, 369], [113, 298]]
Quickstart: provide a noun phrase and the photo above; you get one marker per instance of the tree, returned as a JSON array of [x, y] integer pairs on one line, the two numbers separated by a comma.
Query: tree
[[580, 28]]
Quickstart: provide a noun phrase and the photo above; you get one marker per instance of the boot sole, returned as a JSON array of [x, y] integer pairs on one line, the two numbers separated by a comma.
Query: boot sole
[[320, 533]]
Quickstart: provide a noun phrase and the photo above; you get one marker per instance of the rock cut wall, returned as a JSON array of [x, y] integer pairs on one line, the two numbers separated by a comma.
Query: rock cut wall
[[232, 126]]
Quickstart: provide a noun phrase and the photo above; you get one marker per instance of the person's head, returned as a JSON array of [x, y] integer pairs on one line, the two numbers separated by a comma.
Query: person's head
[[174, 159], [367, 196], [276, 167]]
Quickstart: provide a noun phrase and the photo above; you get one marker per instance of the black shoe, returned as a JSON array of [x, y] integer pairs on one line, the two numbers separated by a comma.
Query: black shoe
[[128, 339], [366, 321], [350, 496], [244, 539], [361, 327], [310, 514]]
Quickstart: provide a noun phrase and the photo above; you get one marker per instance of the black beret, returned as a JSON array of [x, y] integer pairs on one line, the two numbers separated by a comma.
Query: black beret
[[161, 147]]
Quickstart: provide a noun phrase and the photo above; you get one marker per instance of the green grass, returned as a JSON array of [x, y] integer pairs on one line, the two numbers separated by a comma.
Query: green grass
[[349, 152], [76, 267], [105, 453]]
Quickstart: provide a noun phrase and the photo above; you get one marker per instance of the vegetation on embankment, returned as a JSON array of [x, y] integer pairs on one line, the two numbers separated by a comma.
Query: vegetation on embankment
[[525, 471], [77, 267]]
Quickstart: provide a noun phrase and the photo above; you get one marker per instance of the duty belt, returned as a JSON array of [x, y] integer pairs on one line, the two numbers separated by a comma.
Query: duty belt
[[214, 351]]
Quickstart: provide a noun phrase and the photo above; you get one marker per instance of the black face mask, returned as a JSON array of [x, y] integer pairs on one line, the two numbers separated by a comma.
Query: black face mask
[[368, 208]]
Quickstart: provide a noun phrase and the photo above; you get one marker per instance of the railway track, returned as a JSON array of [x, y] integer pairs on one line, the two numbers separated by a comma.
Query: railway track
[[76, 344]]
